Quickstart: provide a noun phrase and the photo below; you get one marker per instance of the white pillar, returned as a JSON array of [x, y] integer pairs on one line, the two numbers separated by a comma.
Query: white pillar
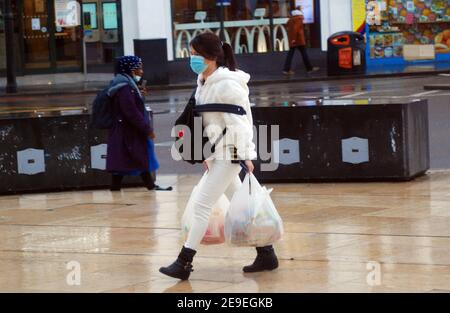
[[130, 25], [144, 19], [336, 16]]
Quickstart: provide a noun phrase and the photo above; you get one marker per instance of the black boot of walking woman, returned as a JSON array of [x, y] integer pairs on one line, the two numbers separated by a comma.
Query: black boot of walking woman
[[266, 260], [182, 267]]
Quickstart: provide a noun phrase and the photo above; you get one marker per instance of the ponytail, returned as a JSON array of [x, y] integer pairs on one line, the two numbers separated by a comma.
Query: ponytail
[[229, 59]]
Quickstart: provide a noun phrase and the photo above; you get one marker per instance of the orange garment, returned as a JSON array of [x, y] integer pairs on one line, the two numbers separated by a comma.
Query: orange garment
[[296, 31]]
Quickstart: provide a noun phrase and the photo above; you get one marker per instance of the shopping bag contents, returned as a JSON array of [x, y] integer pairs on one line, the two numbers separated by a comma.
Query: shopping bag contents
[[252, 219], [215, 233]]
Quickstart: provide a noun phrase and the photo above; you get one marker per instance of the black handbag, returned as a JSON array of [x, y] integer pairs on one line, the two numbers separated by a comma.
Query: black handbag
[[185, 126]]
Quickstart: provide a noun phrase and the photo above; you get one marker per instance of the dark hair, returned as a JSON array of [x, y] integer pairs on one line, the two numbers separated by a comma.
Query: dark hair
[[209, 46]]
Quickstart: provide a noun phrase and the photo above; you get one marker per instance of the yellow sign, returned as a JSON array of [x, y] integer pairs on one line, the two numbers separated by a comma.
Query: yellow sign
[[359, 15], [361, 101]]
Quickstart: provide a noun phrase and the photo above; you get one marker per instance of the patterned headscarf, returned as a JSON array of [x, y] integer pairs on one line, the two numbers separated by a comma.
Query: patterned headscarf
[[128, 63]]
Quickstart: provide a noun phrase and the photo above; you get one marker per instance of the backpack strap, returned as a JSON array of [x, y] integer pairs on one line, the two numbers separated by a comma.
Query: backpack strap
[[220, 107]]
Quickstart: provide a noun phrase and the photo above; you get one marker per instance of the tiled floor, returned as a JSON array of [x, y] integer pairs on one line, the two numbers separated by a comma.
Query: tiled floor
[[337, 237]]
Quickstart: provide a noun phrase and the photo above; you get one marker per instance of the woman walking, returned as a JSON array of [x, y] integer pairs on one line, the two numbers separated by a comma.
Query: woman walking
[[296, 34], [219, 81], [129, 138]]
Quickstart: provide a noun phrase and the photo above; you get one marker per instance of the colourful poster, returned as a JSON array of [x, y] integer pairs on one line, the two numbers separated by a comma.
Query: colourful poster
[[67, 13]]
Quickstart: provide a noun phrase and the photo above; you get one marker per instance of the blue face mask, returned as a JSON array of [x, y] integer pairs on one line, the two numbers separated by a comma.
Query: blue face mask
[[198, 64]]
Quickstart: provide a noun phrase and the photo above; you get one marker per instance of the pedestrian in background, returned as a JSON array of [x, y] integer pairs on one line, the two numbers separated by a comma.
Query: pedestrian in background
[[129, 138], [296, 34]]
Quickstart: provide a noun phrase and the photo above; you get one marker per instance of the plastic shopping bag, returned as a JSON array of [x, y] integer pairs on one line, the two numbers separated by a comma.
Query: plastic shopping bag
[[215, 233], [252, 219]]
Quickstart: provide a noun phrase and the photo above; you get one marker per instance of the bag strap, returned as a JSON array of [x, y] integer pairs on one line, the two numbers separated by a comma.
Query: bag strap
[[216, 107], [220, 107]]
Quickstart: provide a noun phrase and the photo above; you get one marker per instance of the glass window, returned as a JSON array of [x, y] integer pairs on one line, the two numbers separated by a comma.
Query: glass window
[[249, 26], [246, 23], [281, 13], [102, 31], [190, 18], [36, 35], [90, 14], [68, 34], [110, 20]]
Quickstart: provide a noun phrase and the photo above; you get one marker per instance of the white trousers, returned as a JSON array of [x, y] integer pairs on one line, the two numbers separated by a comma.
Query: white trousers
[[222, 178]]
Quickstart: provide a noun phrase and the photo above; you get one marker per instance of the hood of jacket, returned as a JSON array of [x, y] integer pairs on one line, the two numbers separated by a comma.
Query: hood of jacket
[[223, 73], [120, 81]]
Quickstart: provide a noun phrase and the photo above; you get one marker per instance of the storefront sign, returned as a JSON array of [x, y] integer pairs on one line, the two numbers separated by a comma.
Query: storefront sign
[[359, 15], [308, 10], [67, 13]]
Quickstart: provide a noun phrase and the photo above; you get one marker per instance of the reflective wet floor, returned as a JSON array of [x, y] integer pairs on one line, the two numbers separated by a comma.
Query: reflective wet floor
[[374, 237]]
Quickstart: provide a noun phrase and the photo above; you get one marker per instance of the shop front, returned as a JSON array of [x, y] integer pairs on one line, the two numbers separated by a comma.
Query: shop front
[[49, 35], [407, 32], [251, 26], [103, 33]]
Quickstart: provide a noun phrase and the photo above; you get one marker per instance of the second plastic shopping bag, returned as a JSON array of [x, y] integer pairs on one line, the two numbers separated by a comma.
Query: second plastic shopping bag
[[215, 233], [252, 219]]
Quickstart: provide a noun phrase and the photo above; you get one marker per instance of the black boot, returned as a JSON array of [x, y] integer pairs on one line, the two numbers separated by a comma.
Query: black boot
[[182, 267], [266, 260], [148, 181], [116, 183]]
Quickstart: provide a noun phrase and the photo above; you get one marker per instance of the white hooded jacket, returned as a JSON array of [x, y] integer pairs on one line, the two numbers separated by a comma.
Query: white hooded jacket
[[228, 87]]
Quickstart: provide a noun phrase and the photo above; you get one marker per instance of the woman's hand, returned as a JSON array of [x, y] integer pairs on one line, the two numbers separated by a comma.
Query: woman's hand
[[152, 136], [250, 166], [205, 165]]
